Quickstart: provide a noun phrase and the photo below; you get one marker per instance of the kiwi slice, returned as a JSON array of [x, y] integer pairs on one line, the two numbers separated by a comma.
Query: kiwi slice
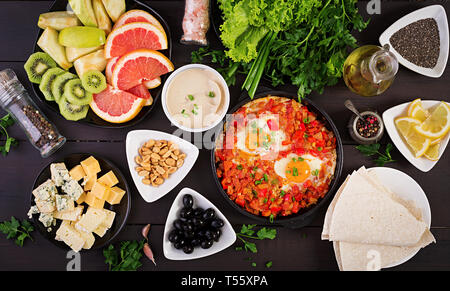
[[94, 81], [36, 66], [58, 84], [71, 111], [47, 81], [76, 94]]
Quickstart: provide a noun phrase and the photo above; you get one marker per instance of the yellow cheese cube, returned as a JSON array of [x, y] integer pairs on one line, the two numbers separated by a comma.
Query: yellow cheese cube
[[77, 173], [115, 195], [91, 166], [82, 198], [89, 182], [93, 201], [109, 179], [100, 191]]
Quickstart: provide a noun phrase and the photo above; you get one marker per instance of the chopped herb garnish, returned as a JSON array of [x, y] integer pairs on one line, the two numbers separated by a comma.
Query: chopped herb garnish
[[253, 264], [265, 200], [294, 172], [282, 193], [238, 249], [211, 94], [257, 182], [305, 135], [191, 97], [266, 178], [269, 264], [300, 159], [195, 106], [293, 159], [319, 149], [306, 120], [239, 167], [272, 199], [255, 194], [194, 112], [274, 182], [271, 218], [315, 172]]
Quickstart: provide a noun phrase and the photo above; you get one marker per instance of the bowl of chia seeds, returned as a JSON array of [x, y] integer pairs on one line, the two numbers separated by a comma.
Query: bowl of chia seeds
[[420, 40]]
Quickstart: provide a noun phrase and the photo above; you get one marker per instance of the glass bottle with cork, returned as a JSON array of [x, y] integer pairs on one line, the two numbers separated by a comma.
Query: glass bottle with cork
[[370, 70], [42, 134]]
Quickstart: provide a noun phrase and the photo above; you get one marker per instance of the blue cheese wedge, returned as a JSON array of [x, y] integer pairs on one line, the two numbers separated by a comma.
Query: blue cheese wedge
[[64, 203], [70, 236], [73, 215], [90, 220], [33, 210], [59, 173], [45, 191], [46, 219], [73, 189]]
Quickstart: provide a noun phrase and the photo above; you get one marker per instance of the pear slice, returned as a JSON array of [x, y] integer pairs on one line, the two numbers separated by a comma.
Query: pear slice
[[48, 42], [75, 53], [92, 61], [58, 20], [115, 8], [83, 9], [102, 17]]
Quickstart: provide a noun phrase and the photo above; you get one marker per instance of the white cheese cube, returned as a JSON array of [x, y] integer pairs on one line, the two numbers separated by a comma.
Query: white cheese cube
[[101, 230], [90, 220], [109, 219], [45, 191], [45, 206], [59, 173], [70, 236], [64, 203], [73, 215], [73, 189]]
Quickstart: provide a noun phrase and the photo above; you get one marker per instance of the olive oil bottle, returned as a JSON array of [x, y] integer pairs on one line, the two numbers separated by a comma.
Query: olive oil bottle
[[370, 70]]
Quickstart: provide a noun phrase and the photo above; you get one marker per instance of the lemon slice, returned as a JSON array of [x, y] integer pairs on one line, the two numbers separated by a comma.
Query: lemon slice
[[419, 113], [436, 141], [437, 124], [419, 144], [433, 152], [413, 105]]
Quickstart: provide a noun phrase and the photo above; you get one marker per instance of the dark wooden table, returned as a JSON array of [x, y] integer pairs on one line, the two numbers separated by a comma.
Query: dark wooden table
[[299, 249]]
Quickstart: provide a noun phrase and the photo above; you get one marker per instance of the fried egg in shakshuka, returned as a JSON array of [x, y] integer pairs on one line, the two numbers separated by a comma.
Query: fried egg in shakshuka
[[275, 157]]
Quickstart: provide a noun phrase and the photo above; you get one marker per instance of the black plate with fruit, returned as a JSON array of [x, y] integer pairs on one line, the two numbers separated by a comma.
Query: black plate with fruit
[[122, 209], [92, 118]]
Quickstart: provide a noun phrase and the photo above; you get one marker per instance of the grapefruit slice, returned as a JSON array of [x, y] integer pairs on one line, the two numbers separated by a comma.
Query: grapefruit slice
[[137, 66], [109, 69], [137, 16], [116, 106], [140, 91], [133, 36], [151, 84]]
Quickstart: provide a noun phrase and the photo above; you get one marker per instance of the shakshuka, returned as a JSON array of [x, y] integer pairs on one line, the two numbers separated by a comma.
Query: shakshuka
[[275, 157]]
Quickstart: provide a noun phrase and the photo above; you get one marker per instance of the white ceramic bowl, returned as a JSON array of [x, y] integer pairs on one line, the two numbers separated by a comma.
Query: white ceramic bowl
[[389, 117], [136, 139], [437, 12], [227, 238], [195, 66]]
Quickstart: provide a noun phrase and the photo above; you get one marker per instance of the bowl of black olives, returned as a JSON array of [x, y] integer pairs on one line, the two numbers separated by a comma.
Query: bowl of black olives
[[195, 228]]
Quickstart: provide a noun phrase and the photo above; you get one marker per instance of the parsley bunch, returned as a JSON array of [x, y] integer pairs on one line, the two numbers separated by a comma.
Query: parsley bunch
[[374, 149], [16, 229], [127, 259], [247, 232], [5, 122]]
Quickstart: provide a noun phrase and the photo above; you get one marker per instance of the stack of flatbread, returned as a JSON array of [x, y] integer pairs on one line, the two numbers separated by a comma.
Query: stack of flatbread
[[372, 228]]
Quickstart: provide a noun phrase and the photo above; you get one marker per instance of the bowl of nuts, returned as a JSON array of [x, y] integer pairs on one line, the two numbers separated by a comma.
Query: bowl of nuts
[[158, 161]]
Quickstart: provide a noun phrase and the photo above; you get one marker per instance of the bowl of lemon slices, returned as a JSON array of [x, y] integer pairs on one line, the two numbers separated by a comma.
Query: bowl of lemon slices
[[420, 131]]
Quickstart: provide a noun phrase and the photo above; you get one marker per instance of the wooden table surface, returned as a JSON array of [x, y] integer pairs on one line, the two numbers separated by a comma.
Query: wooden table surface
[[300, 249]]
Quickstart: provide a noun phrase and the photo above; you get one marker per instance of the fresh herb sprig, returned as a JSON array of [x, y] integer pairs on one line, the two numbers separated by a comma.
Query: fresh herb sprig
[[5, 122], [374, 149], [248, 232], [15, 229], [127, 259]]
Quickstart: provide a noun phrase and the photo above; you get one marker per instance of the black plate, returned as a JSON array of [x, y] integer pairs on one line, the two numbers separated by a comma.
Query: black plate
[[306, 215], [92, 118], [122, 210]]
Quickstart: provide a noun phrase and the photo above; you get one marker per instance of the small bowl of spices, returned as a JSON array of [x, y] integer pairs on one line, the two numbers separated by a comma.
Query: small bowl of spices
[[420, 40], [365, 127]]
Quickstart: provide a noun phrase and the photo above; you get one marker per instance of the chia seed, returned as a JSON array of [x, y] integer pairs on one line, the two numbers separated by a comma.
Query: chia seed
[[418, 42]]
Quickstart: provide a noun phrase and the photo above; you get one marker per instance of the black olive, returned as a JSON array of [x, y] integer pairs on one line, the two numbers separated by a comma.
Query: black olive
[[188, 201], [206, 244], [188, 249], [217, 223], [173, 236], [217, 234], [195, 242], [201, 233], [198, 212], [209, 235], [179, 244], [186, 213], [178, 224], [188, 227], [189, 234], [209, 214], [197, 222]]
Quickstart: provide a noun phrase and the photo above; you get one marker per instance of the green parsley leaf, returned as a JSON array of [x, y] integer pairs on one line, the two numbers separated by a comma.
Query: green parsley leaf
[[14, 229], [127, 258], [374, 149]]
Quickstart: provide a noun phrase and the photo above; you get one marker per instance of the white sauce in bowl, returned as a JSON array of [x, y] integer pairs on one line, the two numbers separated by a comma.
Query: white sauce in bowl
[[195, 98]]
